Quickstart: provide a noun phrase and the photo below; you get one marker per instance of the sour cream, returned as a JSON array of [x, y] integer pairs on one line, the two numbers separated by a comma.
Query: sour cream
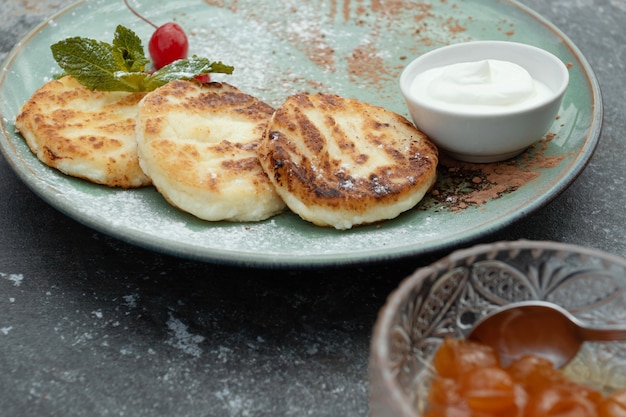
[[487, 86]]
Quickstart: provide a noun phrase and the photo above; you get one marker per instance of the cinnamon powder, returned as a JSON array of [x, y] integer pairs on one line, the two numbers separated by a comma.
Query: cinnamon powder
[[464, 184]]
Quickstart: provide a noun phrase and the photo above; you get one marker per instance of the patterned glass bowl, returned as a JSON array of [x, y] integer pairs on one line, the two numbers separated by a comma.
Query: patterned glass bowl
[[449, 296]]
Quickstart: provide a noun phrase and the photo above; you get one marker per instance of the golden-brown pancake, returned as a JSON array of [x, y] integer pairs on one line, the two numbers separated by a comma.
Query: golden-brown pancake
[[198, 145], [341, 162], [83, 133]]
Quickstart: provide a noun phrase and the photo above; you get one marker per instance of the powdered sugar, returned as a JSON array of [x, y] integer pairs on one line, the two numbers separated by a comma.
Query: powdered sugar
[[180, 338], [347, 48], [16, 279]]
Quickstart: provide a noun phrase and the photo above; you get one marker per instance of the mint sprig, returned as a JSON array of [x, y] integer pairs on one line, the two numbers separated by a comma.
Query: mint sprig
[[128, 50], [121, 65]]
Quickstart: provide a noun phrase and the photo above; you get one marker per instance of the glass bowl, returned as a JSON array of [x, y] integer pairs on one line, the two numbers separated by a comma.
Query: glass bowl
[[446, 298]]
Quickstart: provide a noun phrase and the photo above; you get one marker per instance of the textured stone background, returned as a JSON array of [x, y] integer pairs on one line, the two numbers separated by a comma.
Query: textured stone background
[[91, 326]]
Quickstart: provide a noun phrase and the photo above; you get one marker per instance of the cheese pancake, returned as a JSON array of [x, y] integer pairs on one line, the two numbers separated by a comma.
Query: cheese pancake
[[198, 145], [341, 162], [83, 133]]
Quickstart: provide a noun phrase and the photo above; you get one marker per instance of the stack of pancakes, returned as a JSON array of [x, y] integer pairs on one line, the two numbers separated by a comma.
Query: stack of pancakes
[[220, 154]]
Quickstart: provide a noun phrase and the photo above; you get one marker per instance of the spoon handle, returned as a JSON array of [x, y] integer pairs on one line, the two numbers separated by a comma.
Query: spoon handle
[[605, 334]]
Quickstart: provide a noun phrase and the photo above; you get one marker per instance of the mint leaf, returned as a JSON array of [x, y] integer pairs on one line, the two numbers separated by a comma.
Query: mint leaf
[[185, 69], [219, 67], [91, 62], [120, 66], [135, 81], [128, 52]]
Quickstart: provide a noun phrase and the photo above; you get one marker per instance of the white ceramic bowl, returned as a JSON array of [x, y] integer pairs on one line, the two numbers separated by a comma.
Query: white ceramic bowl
[[446, 298], [479, 137]]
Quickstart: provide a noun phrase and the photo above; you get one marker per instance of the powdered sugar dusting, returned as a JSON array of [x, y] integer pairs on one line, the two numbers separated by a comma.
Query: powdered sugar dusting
[[16, 279], [180, 338], [347, 48]]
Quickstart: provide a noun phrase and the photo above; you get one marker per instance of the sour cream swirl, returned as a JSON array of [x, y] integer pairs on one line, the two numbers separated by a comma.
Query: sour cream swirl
[[487, 86]]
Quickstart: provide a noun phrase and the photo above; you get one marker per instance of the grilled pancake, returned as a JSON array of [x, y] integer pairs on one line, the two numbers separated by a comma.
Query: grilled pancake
[[83, 133], [340, 162], [198, 145]]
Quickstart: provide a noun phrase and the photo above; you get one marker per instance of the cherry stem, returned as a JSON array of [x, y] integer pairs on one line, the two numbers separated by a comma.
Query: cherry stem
[[138, 15]]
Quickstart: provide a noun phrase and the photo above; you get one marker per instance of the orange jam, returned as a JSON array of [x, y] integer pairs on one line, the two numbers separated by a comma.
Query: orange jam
[[470, 382]]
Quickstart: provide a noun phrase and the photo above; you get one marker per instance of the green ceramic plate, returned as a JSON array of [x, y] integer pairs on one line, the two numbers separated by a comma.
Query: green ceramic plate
[[355, 49]]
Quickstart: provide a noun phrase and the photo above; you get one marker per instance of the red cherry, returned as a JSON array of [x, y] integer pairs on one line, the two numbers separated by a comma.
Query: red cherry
[[203, 78], [168, 44]]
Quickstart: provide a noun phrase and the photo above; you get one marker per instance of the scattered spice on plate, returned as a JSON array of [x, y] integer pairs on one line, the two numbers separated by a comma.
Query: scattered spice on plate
[[464, 184]]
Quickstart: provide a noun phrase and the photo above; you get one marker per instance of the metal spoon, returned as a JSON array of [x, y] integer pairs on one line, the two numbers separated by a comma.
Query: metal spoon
[[541, 329]]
